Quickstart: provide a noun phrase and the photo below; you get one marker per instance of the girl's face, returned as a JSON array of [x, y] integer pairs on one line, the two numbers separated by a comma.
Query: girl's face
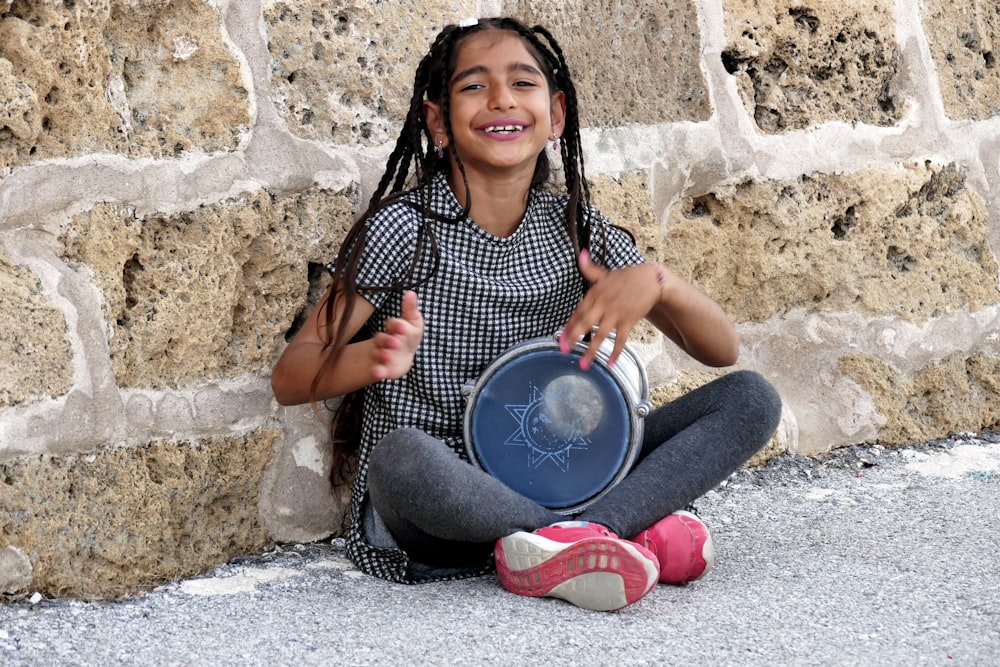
[[502, 113]]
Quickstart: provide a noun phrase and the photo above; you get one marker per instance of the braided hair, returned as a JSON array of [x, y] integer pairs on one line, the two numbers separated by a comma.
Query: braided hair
[[414, 162]]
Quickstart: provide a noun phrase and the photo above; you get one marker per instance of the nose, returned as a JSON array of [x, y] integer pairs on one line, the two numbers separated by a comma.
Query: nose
[[501, 97]]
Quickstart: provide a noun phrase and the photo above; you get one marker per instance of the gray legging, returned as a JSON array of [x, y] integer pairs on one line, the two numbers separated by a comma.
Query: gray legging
[[444, 512]]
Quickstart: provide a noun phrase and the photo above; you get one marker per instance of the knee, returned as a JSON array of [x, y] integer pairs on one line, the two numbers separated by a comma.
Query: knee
[[387, 448], [387, 458], [762, 400]]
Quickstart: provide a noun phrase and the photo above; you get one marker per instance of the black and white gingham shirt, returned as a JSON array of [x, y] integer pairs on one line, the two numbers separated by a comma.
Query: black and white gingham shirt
[[487, 294]]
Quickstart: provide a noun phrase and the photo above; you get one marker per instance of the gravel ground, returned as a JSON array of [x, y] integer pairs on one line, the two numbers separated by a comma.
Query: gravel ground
[[867, 556]]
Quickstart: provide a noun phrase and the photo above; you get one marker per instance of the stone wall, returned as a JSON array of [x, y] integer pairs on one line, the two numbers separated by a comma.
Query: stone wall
[[174, 174]]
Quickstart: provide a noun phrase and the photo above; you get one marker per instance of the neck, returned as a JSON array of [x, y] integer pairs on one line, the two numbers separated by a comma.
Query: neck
[[498, 202]]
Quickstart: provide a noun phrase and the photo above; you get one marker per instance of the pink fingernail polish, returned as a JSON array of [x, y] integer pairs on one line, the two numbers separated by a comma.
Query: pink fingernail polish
[[563, 346], [584, 363]]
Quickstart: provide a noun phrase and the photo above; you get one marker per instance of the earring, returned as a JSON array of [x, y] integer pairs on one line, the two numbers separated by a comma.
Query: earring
[[439, 153], [555, 142]]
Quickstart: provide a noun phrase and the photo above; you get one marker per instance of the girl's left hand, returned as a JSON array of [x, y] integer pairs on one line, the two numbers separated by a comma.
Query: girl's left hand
[[614, 303]]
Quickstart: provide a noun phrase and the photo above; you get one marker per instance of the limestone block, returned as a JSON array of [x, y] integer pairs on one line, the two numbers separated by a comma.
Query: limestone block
[[960, 34], [138, 77], [35, 356], [632, 62], [125, 519], [626, 201], [958, 393], [211, 293], [908, 241], [343, 71], [297, 503], [175, 84], [15, 571], [20, 123], [798, 64]]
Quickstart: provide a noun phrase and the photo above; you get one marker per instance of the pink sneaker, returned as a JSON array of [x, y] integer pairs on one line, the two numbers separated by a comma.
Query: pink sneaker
[[582, 563], [682, 546]]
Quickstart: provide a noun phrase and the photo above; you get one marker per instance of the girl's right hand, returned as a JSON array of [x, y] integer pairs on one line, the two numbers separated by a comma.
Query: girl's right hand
[[395, 347]]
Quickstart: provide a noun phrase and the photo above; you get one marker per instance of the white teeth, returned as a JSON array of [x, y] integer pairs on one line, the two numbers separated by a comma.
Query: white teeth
[[504, 128]]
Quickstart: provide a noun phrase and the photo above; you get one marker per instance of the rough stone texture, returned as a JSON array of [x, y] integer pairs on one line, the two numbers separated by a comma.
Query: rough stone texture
[[960, 34], [297, 501], [125, 519], [907, 241], [957, 394], [801, 63], [15, 571], [210, 293], [625, 201], [659, 41], [35, 356], [138, 77], [20, 123], [343, 72]]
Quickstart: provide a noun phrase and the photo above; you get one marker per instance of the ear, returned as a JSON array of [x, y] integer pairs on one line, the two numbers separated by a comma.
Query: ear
[[434, 120], [558, 113]]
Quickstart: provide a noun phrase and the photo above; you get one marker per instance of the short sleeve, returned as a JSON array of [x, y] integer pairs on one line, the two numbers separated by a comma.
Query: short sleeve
[[388, 251], [620, 250]]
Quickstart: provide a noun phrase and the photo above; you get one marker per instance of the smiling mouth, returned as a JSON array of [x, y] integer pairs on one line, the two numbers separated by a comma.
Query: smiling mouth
[[503, 129]]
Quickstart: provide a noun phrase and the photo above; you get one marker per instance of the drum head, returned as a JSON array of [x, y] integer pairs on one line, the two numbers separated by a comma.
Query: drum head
[[549, 430]]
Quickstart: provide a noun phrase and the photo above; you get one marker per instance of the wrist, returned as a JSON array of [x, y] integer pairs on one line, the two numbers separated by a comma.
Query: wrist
[[660, 274]]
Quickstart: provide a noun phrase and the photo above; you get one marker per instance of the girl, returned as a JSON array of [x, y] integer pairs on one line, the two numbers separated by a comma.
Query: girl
[[438, 278]]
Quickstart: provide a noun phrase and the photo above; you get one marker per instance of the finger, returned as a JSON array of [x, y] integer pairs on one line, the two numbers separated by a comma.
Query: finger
[[386, 340], [582, 322], [395, 326], [600, 334], [411, 309], [382, 360], [570, 335], [590, 271], [379, 367], [621, 335]]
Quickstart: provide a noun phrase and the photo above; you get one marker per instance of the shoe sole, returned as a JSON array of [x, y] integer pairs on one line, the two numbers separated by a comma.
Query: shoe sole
[[602, 574]]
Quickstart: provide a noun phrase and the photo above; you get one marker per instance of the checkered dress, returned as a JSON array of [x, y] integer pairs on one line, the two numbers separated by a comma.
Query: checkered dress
[[487, 294]]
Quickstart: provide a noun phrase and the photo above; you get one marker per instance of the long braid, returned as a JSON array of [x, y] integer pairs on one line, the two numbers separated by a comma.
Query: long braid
[[445, 102], [571, 144], [408, 145]]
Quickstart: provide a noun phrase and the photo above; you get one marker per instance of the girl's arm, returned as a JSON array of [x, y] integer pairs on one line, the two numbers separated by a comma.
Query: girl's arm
[[620, 298], [693, 320], [387, 355]]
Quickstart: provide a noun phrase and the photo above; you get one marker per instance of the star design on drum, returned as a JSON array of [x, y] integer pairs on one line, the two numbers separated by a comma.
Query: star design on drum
[[549, 427]]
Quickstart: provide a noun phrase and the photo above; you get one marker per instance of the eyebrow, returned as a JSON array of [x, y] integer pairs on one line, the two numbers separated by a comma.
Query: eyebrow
[[483, 69]]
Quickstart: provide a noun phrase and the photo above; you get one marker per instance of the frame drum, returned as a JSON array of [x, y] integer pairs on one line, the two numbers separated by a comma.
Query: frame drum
[[554, 433]]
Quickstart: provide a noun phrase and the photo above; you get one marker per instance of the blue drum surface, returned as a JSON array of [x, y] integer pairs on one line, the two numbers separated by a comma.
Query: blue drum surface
[[551, 431]]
